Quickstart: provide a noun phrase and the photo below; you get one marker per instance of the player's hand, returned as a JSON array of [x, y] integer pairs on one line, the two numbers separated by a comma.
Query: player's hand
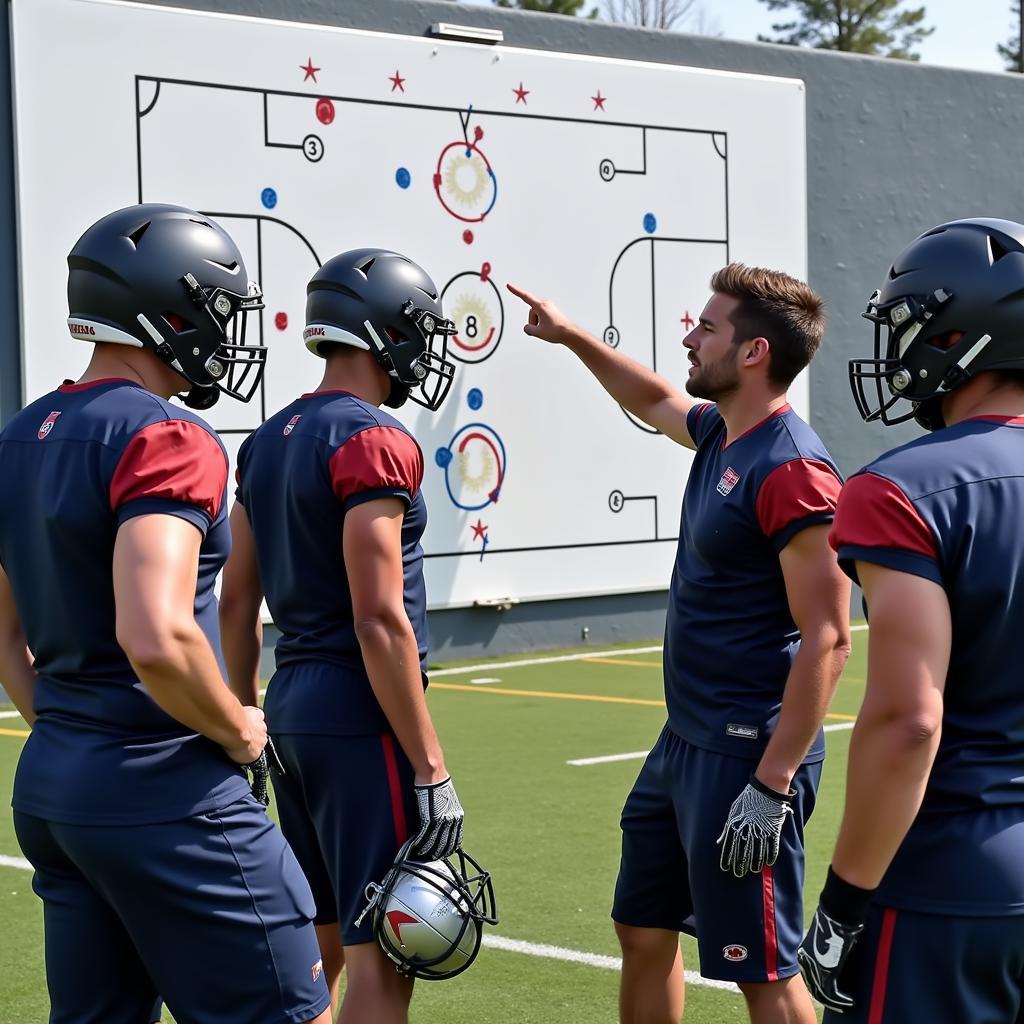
[[750, 839], [822, 955], [441, 817], [545, 319], [256, 738]]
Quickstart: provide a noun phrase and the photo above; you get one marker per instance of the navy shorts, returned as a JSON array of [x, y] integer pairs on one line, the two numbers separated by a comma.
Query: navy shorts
[[909, 967], [210, 911], [747, 929], [346, 804]]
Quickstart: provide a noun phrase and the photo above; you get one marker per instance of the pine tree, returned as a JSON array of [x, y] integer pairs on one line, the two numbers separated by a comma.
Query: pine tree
[[1010, 51], [878, 27]]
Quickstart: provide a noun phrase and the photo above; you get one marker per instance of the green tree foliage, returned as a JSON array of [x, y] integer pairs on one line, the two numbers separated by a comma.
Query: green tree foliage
[[877, 27], [1010, 51]]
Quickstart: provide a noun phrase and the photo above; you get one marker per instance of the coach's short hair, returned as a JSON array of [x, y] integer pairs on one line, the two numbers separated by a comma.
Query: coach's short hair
[[778, 307]]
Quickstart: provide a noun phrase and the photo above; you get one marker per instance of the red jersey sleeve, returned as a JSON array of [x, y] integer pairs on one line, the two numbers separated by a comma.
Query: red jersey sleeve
[[878, 523], [797, 494], [375, 463], [172, 462]]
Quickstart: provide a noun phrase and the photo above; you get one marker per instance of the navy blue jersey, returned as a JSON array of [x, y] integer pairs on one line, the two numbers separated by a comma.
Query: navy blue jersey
[[298, 475], [74, 466], [948, 507], [730, 638]]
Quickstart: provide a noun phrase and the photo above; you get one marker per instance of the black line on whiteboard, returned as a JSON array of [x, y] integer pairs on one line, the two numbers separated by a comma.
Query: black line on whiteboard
[[274, 220], [543, 547]]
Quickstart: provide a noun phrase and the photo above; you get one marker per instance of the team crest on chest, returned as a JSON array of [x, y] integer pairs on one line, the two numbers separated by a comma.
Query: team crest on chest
[[47, 425], [730, 478], [290, 425]]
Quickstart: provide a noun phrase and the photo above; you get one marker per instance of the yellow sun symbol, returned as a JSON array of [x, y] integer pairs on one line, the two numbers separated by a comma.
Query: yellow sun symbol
[[465, 178], [475, 482], [473, 319]]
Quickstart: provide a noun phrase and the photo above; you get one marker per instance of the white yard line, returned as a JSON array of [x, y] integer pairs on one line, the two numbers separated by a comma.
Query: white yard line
[[14, 862], [10, 714], [462, 670], [575, 956], [484, 680], [838, 726]]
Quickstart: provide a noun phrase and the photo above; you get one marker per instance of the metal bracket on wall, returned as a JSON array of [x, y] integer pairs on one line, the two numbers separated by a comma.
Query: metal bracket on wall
[[467, 33], [499, 604]]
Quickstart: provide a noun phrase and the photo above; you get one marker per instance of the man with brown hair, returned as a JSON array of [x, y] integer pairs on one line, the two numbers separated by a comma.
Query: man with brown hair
[[756, 637]]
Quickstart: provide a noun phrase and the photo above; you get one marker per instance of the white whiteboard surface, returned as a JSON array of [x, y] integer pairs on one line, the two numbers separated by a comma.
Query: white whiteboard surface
[[614, 187]]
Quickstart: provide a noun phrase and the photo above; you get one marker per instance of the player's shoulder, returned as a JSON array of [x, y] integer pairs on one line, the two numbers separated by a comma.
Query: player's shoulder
[[798, 435], [918, 467]]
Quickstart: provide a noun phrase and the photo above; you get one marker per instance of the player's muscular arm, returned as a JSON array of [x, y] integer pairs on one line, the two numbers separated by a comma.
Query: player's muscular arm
[[634, 386], [819, 600], [241, 594], [156, 559], [16, 672], [372, 547], [897, 733]]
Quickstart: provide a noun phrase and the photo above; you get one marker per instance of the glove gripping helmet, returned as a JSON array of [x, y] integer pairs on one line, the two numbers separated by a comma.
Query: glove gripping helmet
[[381, 301], [168, 279], [952, 305], [429, 917]]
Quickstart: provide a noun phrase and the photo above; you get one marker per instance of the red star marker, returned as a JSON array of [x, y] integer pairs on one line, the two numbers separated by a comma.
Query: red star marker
[[521, 94], [599, 100], [479, 531], [397, 81], [687, 320], [309, 69]]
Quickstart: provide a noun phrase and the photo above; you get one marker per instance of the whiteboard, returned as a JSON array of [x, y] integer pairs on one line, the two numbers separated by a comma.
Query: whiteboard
[[614, 187]]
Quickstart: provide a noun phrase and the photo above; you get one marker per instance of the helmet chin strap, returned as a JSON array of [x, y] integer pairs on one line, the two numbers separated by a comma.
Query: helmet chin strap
[[198, 397]]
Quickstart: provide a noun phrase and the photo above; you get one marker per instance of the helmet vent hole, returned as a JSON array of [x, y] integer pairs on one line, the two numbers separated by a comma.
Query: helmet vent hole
[[996, 250], [177, 323], [364, 269], [393, 336], [136, 235], [944, 342]]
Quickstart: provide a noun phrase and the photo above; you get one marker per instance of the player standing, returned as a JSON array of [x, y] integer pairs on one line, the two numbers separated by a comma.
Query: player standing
[[328, 525], [926, 885], [157, 867], [756, 637]]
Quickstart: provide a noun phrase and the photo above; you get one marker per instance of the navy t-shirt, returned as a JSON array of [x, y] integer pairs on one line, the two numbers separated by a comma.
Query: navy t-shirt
[[298, 475], [730, 638], [949, 507], [74, 466]]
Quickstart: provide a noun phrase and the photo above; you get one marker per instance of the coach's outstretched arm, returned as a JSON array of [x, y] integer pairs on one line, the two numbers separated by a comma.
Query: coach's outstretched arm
[[635, 387], [16, 672], [156, 562]]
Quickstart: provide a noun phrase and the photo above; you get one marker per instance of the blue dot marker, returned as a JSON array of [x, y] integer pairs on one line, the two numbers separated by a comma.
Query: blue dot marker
[[650, 223], [269, 198], [475, 398], [443, 456], [403, 178]]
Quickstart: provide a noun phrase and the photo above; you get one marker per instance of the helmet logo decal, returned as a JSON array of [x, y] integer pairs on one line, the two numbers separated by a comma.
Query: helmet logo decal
[[82, 329], [47, 425], [396, 918]]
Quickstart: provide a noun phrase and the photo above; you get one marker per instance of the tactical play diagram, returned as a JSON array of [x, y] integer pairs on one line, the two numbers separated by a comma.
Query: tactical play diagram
[[615, 189]]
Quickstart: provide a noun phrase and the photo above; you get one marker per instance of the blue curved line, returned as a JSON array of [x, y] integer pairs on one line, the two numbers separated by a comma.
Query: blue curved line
[[494, 199]]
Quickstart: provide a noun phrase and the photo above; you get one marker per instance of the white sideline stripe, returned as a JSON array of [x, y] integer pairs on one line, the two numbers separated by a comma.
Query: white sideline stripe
[[553, 660], [10, 714], [575, 956], [636, 755], [483, 680], [14, 862]]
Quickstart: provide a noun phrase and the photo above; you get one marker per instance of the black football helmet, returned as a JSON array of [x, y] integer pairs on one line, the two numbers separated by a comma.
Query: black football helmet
[[952, 305], [428, 916], [170, 280], [379, 300]]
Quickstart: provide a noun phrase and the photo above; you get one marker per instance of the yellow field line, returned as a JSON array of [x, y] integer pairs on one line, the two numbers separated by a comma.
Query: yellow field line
[[14, 732], [622, 661], [842, 718], [548, 694]]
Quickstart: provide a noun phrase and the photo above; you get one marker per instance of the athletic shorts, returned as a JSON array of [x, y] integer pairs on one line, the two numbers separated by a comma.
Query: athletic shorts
[[210, 911], [747, 929], [909, 967], [346, 804]]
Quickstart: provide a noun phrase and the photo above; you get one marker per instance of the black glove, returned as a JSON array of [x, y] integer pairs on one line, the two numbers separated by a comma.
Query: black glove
[[260, 771], [830, 939], [441, 817], [750, 839]]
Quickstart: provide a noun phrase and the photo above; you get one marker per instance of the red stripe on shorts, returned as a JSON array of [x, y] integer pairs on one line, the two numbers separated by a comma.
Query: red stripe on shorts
[[395, 786], [771, 941], [882, 958]]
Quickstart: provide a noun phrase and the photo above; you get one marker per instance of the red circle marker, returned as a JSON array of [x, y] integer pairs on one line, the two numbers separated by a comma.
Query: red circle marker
[[478, 133], [281, 321], [324, 111], [467, 236]]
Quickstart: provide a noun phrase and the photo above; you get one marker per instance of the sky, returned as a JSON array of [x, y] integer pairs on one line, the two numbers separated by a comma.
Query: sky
[[965, 36]]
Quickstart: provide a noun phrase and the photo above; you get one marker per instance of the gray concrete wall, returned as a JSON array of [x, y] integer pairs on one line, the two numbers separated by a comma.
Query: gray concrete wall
[[893, 148]]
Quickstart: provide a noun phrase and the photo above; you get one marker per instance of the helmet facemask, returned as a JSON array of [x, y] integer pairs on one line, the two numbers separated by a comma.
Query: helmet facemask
[[415, 356]]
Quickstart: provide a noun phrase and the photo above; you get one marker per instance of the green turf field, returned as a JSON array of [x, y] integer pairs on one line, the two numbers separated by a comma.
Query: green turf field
[[546, 830]]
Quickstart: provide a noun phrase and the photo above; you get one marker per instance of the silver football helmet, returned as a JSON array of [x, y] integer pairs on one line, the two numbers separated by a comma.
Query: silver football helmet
[[428, 916]]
